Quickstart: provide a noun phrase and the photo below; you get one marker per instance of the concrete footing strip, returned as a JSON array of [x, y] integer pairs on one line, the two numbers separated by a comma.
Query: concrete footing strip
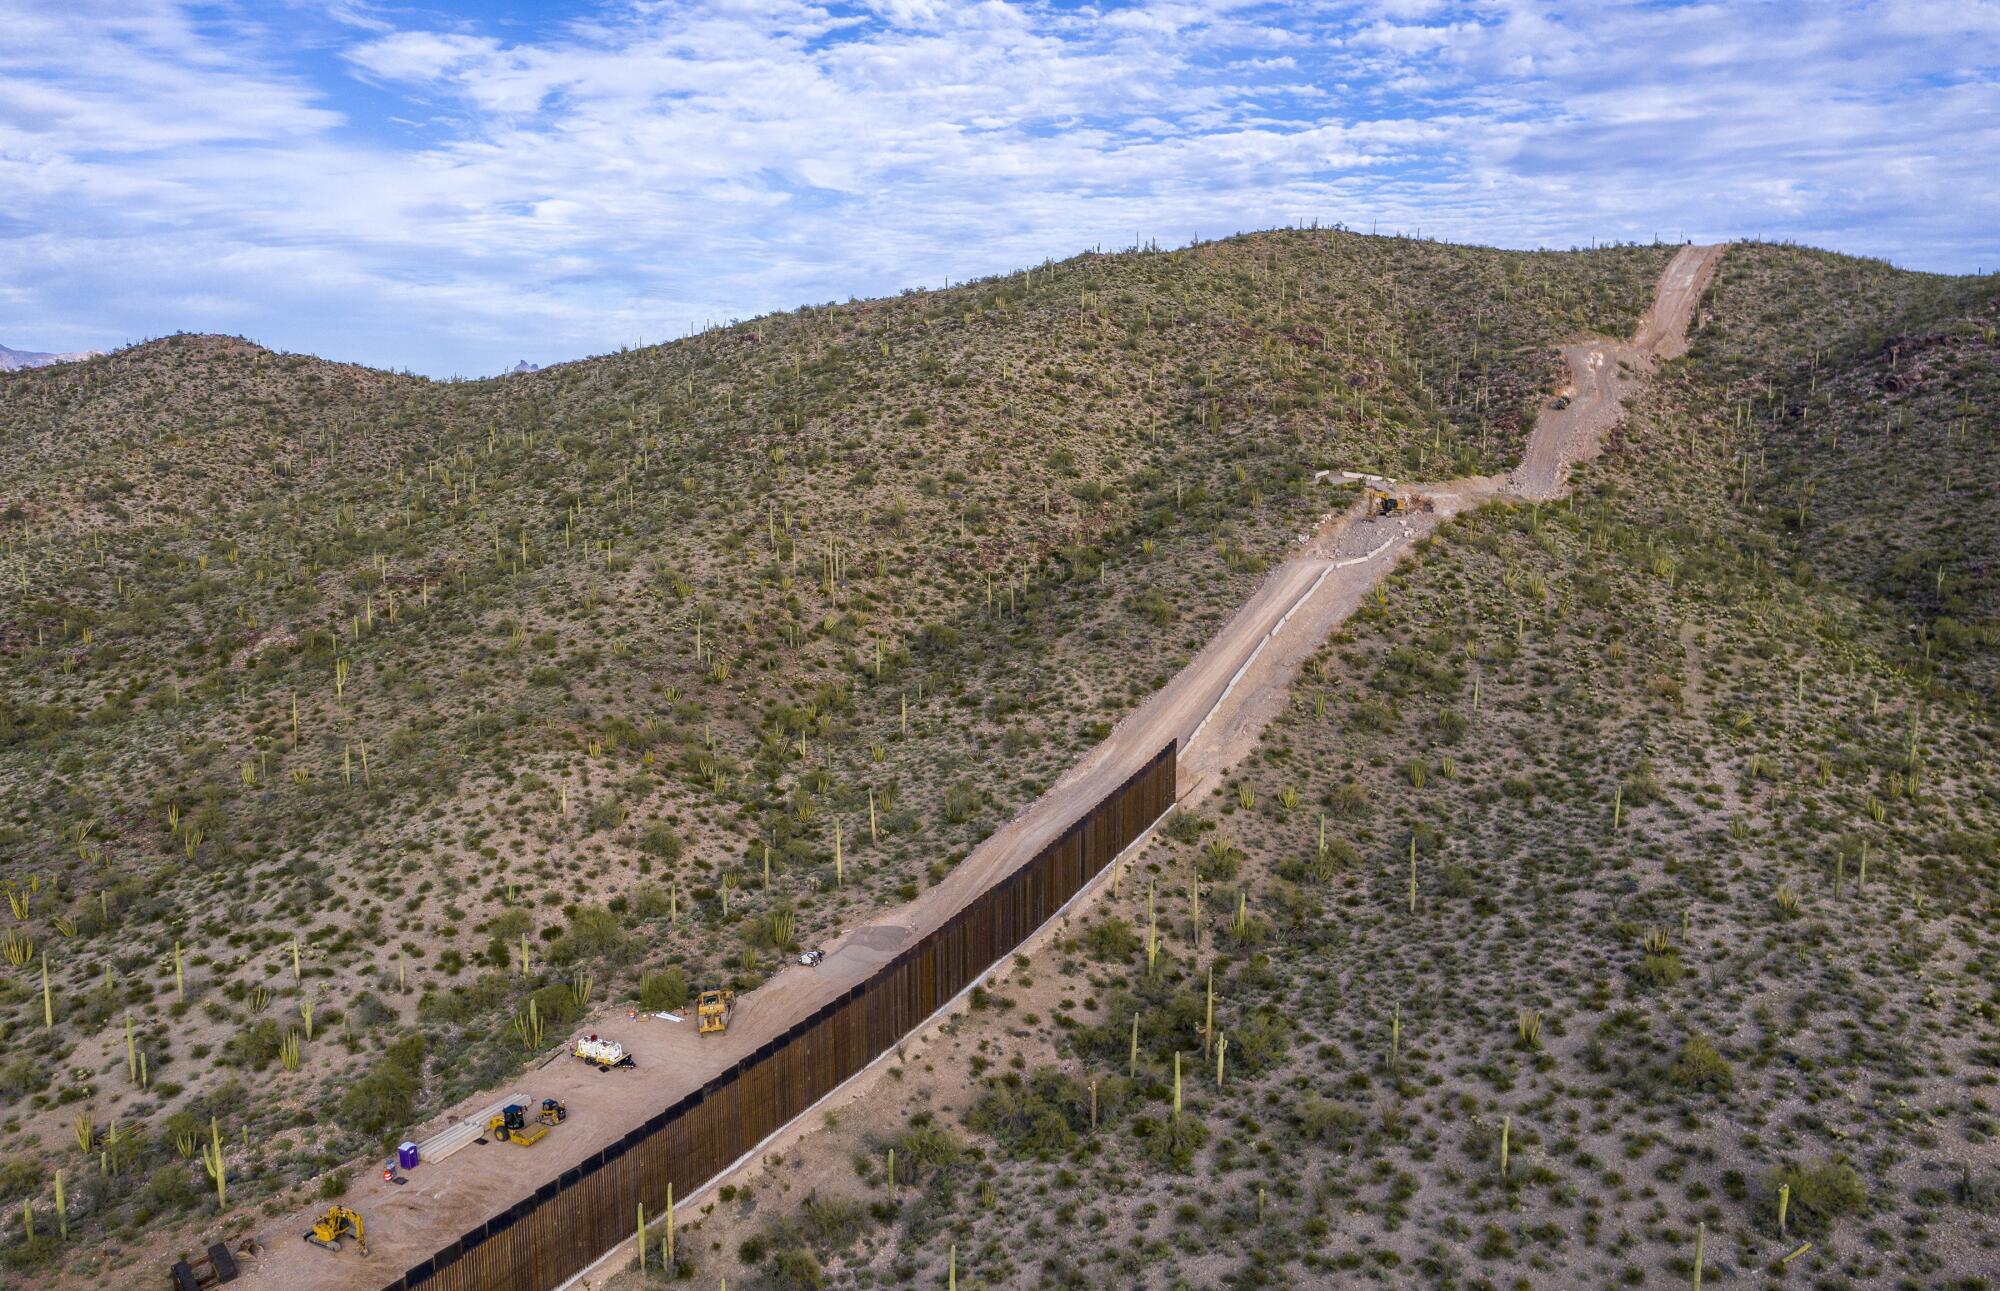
[[1216, 707], [1362, 560]]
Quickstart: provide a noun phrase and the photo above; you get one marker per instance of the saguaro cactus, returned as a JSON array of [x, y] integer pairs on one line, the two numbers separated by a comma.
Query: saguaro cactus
[[1208, 1026], [212, 1162]]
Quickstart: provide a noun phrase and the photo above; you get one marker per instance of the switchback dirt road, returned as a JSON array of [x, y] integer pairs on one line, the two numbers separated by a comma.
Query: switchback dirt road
[[1216, 707]]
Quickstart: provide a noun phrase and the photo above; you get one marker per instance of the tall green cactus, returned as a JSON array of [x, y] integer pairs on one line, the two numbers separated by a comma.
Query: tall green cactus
[[217, 1168]]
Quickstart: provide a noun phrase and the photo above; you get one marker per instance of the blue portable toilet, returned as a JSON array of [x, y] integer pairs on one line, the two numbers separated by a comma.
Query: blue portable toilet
[[406, 1155]]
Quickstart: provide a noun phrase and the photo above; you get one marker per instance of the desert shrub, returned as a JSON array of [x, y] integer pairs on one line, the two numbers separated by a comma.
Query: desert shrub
[[960, 801], [1661, 970], [1327, 1121], [1977, 1192], [333, 1184], [1642, 786], [368, 1010], [797, 1267], [606, 813], [1348, 799], [556, 1004], [254, 1047], [1112, 939], [22, 1074], [1219, 861], [171, 1189], [1821, 1192], [1182, 826], [454, 1004], [648, 902], [659, 840], [1153, 605], [666, 989], [832, 1224], [1372, 715], [1322, 865], [1038, 1117], [925, 1144], [1260, 1043], [795, 1243], [1171, 1143], [593, 930], [18, 1178], [1700, 1067], [382, 1098]]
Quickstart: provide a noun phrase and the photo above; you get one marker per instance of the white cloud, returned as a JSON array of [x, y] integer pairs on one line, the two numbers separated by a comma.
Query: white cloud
[[469, 195]]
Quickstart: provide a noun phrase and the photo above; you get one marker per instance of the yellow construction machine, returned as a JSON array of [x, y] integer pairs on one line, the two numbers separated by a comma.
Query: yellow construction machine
[[1386, 502], [338, 1221], [510, 1125], [712, 1011]]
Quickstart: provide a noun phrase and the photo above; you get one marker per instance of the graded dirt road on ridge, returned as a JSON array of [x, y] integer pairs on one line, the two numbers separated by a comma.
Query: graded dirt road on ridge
[[1215, 707]]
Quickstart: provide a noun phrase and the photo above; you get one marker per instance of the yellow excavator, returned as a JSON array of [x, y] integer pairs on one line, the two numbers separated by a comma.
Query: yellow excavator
[[1386, 502], [338, 1221], [712, 1012]]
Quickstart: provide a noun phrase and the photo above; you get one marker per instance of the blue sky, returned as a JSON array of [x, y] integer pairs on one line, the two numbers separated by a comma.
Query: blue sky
[[452, 187]]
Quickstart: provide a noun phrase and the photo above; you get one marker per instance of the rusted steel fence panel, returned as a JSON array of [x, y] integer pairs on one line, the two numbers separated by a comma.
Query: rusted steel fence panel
[[569, 1221]]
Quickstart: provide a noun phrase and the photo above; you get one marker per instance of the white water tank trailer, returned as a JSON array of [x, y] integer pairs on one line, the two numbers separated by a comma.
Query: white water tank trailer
[[601, 1052]]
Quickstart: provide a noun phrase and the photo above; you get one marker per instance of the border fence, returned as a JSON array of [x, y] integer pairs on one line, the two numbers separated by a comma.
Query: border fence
[[571, 1220]]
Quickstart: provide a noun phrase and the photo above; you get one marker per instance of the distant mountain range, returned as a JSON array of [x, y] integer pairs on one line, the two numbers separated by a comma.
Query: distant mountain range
[[14, 360], [523, 367]]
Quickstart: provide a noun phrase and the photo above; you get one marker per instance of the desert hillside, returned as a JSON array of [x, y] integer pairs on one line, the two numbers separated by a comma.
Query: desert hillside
[[345, 714], [1624, 870]]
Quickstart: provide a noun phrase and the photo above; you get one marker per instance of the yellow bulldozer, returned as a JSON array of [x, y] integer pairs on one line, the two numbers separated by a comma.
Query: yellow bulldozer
[[338, 1221], [712, 1012]]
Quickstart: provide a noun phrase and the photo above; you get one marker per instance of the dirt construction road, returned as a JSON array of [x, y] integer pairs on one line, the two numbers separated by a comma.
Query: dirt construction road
[[1216, 707]]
